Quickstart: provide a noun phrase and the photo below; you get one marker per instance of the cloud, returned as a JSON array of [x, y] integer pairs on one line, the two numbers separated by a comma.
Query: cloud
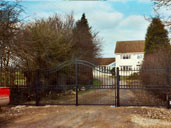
[[105, 20], [130, 28], [134, 22], [102, 16], [133, 28]]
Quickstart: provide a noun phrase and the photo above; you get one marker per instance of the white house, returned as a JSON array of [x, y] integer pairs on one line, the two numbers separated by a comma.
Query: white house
[[129, 54], [104, 66], [106, 62]]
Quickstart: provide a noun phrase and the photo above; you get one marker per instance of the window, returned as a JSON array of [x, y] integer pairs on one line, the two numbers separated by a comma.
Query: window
[[139, 56], [126, 68], [125, 56], [138, 67], [103, 68]]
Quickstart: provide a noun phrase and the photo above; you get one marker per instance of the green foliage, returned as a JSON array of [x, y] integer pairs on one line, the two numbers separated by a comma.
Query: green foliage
[[156, 36], [96, 83], [6, 79], [20, 82], [12, 78], [157, 56], [85, 43], [48, 42]]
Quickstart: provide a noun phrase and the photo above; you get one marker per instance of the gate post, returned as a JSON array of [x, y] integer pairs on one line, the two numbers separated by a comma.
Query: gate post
[[37, 86], [168, 92], [76, 79], [117, 87]]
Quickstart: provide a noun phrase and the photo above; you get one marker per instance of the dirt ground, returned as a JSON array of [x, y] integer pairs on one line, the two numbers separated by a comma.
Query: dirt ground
[[87, 116], [84, 117]]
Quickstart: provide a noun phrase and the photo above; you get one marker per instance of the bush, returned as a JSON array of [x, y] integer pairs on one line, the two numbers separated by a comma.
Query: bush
[[155, 70]]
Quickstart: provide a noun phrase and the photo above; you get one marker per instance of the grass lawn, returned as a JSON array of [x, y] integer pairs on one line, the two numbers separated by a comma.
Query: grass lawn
[[96, 83], [20, 82]]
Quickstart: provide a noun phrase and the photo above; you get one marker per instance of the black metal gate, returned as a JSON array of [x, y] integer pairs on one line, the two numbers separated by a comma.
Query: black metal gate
[[143, 87], [77, 82]]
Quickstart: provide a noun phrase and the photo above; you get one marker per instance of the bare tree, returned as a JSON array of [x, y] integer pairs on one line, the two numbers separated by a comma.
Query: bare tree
[[166, 5], [10, 18], [160, 3]]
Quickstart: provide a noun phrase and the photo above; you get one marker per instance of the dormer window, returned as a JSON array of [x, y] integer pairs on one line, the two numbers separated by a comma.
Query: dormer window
[[126, 56]]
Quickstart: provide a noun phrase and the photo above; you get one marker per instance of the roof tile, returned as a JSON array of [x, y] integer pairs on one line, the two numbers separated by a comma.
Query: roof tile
[[104, 61], [130, 46]]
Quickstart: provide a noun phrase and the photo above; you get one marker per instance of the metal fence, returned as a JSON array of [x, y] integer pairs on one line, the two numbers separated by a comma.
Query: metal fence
[[75, 82], [22, 85], [80, 82], [143, 87]]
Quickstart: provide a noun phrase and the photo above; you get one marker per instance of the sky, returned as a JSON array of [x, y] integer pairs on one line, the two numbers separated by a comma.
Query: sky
[[115, 20]]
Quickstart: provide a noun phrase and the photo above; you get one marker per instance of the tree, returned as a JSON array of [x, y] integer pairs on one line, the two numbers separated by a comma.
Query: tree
[[156, 36], [160, 3], [10, 19], [46, 42], [157, 56], [166, 6], [85, 42]]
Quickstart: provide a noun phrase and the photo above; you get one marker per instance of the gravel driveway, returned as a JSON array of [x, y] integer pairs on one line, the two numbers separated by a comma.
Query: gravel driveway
[[86, 117]]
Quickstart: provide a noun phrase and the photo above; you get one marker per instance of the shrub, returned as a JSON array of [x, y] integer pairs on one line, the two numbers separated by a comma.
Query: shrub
[[155, 70], [134, 76]]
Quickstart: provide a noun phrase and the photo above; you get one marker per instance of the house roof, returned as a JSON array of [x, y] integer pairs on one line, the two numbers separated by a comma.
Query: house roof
[[130, 46], [104, 61]]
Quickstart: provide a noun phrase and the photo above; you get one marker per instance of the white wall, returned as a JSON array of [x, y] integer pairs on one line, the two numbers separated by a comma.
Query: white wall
[[133, 61], [109, 67], [97, 74]]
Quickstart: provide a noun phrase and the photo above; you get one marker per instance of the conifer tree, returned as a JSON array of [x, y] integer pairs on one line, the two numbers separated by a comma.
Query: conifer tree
[[156, 36], [85, 44]]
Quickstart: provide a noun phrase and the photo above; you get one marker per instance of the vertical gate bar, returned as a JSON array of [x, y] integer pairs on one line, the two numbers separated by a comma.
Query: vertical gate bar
[[117, 88], [168, 92], [115, 85], [37, 86], [76, 80]]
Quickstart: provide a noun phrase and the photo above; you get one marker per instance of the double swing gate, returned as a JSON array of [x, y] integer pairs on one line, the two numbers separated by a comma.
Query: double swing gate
[[143, 87], [79, 82], [76, 82]]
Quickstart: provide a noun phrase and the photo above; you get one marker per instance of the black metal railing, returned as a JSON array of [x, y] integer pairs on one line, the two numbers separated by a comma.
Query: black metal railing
[[75, 82], [79, 82], [143, 87]]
